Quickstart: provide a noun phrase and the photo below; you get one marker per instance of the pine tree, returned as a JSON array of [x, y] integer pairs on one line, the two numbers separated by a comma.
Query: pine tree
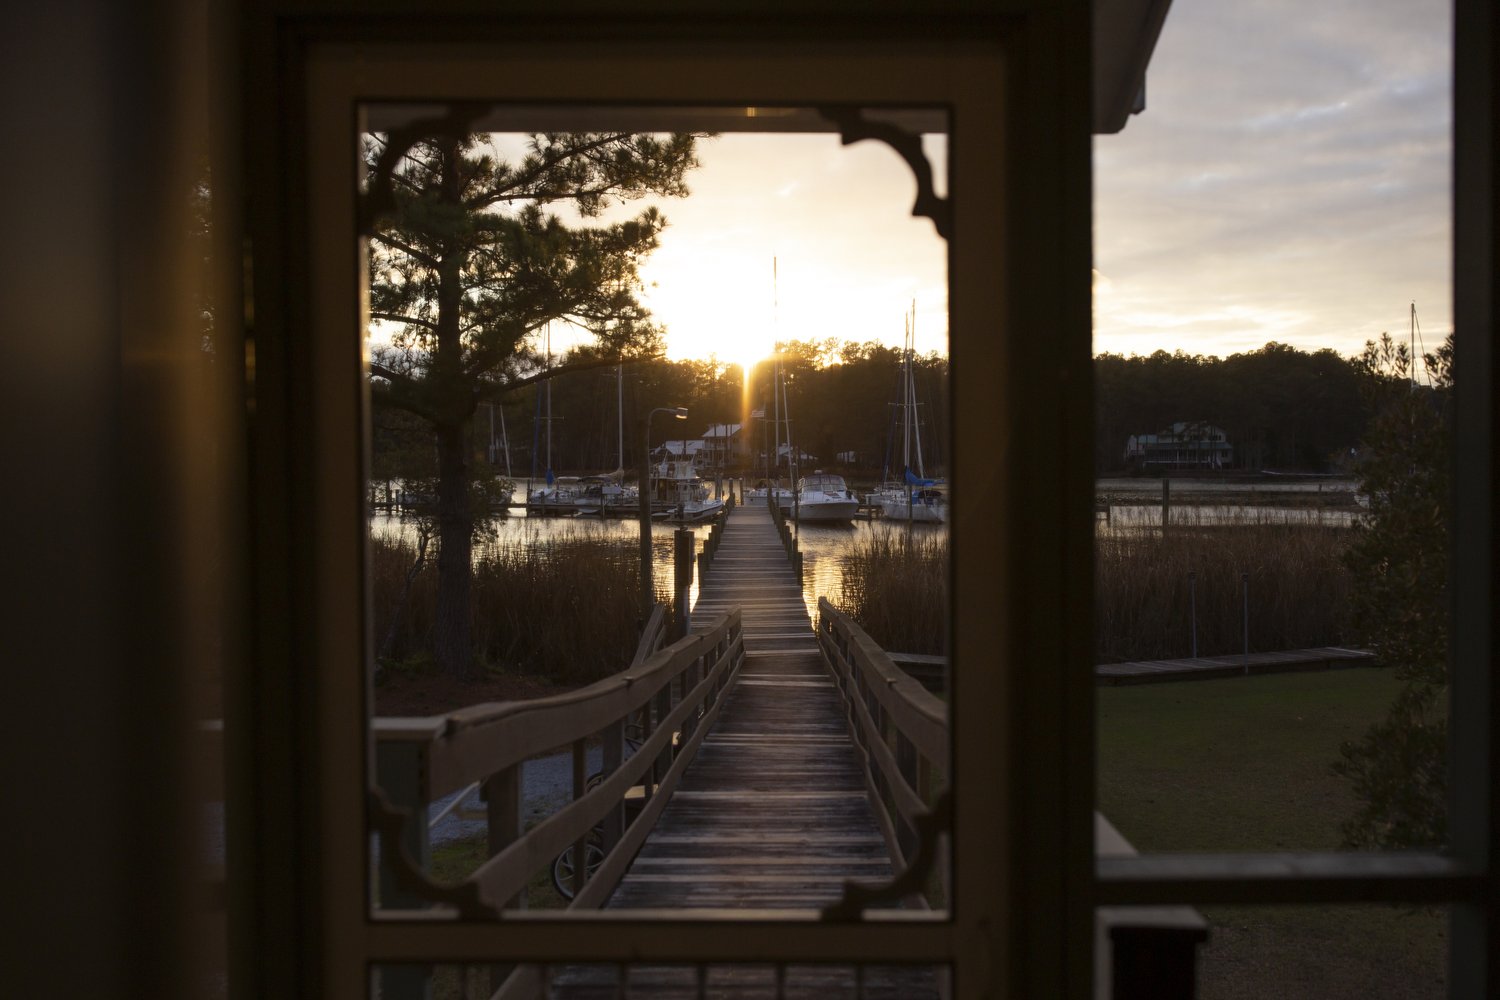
[[468, 263], [1399, 561]]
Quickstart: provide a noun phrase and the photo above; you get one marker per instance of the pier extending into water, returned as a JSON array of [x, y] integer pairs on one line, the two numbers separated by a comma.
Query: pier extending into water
[[755, 764], [773, 814]]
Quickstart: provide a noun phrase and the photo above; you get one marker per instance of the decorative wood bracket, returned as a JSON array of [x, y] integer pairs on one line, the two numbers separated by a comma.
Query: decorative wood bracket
[[389, 821], [458, 120], [857, 898], [854, 127]]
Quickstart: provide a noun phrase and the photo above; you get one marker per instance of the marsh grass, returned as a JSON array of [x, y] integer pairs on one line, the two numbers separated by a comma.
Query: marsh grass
[[1298, 589], [563, 608], [896, 587]]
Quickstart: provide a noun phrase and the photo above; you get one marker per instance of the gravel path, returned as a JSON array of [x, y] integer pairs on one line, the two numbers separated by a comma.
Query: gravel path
[[547, 785]]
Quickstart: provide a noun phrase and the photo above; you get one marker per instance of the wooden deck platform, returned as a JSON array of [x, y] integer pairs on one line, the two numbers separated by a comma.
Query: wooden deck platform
[[1206, 667], [772, 813]]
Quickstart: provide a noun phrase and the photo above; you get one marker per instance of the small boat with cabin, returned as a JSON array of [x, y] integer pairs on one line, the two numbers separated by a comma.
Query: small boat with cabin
[[822, 497], [679, 493]]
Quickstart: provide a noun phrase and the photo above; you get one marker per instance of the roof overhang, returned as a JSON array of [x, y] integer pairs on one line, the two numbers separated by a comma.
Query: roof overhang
[[1124, 37], [1125, 34]]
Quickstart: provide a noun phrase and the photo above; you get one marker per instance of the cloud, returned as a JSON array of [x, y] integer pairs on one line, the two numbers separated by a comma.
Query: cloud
[[1292, 164]]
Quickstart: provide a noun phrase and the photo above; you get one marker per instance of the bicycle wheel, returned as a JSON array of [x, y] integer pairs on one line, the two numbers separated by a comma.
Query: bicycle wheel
[[562, 867]]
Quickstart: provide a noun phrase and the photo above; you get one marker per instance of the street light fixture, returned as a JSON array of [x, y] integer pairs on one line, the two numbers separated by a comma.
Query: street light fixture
[[647, 593]]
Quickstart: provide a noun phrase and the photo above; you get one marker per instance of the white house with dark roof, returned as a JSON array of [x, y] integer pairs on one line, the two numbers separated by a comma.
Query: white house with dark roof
[[1187, 444]]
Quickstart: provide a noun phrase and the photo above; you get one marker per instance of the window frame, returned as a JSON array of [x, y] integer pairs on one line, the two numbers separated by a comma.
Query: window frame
[[292, 933], [327, 543]]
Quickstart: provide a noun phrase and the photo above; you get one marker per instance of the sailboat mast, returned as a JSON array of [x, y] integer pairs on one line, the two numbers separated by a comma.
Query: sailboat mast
[[776, 372], [906, 398], [776, 411], [549, 398], [504, 442], [911, 382], [792, 471]]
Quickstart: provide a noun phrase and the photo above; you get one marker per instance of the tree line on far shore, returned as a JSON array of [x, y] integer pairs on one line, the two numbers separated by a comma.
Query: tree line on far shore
[[1281, 408], [841, 405]]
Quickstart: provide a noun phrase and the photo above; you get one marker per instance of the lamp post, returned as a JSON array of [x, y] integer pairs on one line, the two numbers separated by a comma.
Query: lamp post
[[647, 594]]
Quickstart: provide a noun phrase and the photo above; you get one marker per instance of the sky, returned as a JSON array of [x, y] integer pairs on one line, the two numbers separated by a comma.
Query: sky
[[1288, 181], [796, 237]]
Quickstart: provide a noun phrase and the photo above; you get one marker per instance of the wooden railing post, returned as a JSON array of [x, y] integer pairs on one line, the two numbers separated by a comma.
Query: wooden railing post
[[614, 756], [683, 539], [504, 825], [504, 815], [401, 770], [580, 786]]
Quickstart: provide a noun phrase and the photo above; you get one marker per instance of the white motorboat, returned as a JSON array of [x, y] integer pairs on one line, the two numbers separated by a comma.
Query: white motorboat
[[821, 497], [762, 493], [602, 496], [559, 499], [679, 493]]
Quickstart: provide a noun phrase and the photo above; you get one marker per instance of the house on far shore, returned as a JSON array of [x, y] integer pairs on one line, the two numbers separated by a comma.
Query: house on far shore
[[1187, 444], [724, 446]]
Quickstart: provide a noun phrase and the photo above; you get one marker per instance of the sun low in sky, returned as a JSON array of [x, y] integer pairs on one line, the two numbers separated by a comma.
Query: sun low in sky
[[795, 237]]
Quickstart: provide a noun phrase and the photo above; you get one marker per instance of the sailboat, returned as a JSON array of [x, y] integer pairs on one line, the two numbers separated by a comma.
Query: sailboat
[[503, 490], [821, 497], [771, 490], [559, 497], [914, 498], [607, 495]]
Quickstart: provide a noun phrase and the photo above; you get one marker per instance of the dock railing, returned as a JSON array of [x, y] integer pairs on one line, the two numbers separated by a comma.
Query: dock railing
[[715, 536], [786, 530], [673, 694], [899, 728]]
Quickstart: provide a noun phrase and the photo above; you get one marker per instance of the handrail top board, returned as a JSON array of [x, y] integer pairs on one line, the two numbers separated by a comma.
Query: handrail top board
[[917, 712], [476, 742]]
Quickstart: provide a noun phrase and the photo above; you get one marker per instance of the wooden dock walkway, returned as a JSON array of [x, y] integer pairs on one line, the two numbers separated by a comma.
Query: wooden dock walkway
[[772, 814]]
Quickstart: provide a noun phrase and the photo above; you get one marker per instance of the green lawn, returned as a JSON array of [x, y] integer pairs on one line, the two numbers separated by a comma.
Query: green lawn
[[1244, 765]]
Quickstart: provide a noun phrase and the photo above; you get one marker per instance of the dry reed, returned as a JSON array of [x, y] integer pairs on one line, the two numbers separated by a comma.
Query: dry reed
[[1144, 601], [564, 608], [896, 587]]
